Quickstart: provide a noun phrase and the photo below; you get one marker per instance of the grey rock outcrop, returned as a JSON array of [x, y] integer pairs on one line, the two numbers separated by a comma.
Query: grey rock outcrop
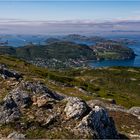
[[109, 106], [49, 110], [9, 103], [75, 108], [97, 124], [6, 73], [9, 111], [93, 103], [40, 88], [21, 98]]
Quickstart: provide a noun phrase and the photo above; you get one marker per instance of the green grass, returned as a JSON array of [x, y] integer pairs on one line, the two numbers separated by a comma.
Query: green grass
[[109, 55], [116, 83], [119, 83]]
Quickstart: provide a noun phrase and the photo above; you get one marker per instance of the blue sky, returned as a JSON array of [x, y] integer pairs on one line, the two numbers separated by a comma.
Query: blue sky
[[65, 17], [69, 10]]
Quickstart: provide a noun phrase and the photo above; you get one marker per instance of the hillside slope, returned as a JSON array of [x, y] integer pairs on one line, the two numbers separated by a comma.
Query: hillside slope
[[40, 100]]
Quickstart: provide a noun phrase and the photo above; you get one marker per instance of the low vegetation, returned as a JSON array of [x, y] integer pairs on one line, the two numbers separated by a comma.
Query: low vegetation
[[119, 83]]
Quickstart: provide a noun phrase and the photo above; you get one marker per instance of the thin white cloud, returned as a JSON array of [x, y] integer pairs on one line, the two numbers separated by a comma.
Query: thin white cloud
[[67, 26], [36, 22]]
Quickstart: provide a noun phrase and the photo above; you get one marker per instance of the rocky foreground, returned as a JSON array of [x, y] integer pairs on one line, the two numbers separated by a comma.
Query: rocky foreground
[[32, 110]]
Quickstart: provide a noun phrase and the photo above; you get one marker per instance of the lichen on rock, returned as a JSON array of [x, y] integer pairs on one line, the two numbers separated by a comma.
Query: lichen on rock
[[97, 124], [75, 107]]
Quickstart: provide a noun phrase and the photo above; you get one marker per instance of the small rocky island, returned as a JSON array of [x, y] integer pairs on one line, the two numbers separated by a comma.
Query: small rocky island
[[112, 51]]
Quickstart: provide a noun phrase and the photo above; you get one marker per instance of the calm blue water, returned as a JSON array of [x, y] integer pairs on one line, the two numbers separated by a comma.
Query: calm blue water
[[22, 40]]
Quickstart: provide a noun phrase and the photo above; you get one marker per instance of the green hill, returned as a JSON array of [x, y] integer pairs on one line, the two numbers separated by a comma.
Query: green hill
[[64, 54], [58, 50], [7, 50]]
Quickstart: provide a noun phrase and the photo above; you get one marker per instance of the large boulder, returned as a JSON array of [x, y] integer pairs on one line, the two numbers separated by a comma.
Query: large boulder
[[10, 107], [40, 88], [97, 124], [75, 108]]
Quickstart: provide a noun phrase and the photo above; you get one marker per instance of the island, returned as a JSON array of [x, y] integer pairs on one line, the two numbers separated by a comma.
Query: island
[[69, 51]]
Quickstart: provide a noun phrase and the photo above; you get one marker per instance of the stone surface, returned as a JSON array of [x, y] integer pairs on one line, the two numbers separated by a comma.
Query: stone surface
[[97, 124], [87, 120], [21, 98], [40, 88], [7, 116], [75, 107], [42, 101], [9, 103], [93, 103], [135, 111], [6, 73], [50, 120], [9, 111], [109, 106], [15, 135]]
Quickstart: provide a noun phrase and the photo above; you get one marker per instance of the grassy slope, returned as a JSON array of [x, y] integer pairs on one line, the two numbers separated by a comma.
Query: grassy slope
[[121, 84]]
